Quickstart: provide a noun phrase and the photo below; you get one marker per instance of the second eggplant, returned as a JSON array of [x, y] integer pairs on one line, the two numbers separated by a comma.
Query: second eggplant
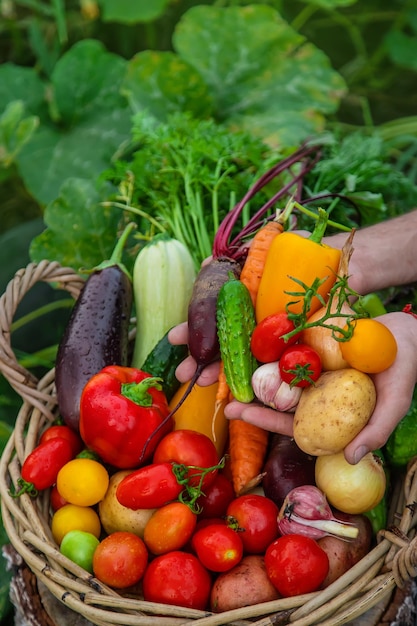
[[97, 333]]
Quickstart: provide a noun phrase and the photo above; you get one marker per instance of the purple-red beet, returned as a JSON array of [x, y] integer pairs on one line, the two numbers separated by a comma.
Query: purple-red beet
[[286, 467], [203, 342]]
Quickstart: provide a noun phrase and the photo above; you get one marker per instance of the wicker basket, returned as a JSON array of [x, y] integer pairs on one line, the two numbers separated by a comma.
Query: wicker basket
[[363, 593]]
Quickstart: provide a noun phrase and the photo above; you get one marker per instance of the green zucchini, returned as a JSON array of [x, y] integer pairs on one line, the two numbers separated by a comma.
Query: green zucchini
[[163, 278], [235, 324], [162, 362]]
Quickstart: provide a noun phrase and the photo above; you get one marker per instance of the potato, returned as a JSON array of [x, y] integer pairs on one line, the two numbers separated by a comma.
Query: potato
[[344, 554], [114, 516], [245, 584], [333, 411]]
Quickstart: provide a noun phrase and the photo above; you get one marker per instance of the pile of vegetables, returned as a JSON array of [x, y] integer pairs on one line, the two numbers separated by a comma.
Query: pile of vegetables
[[152, 490]]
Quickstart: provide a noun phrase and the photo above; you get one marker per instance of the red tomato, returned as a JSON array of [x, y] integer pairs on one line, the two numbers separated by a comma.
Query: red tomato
[[177, 578], [300, 365], [218, 547], [257, 517], [216, 497], [149, 487], [266, 343], [40, 468], [120, 560], [296, 564], [191, 448], [65, 432], [169, 528], [56, 500]]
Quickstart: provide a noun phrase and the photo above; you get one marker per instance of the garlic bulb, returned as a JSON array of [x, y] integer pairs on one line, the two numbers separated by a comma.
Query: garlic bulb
[[270, 389], [305, 511]]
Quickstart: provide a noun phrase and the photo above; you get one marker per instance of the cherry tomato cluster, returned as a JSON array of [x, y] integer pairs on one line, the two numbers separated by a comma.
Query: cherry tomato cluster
[[274, 340], [198, 529]]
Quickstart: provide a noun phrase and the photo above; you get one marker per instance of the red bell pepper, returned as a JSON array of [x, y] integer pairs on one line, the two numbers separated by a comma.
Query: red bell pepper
[[122, 415]]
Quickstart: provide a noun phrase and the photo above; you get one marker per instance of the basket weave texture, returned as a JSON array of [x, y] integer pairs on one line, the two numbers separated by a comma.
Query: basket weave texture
[[369, 584]]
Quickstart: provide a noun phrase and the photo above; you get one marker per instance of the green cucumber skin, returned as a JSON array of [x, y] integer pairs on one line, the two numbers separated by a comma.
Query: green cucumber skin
[[162, 361], [235, 325]]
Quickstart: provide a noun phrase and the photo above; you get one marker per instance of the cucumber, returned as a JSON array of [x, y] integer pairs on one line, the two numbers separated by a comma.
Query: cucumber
[[235, 324], [162, 362], [401, 446]]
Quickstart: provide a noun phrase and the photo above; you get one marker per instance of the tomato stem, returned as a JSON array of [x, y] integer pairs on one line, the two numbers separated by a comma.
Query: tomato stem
[[339, 295], [190, 494], [25, 487]]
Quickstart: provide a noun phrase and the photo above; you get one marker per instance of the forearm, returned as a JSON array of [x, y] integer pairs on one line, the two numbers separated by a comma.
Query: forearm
[[385, 255]]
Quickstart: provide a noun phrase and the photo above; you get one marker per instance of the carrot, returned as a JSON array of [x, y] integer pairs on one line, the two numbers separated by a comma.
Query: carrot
[[247, 450], [223, 388], [255, 261]]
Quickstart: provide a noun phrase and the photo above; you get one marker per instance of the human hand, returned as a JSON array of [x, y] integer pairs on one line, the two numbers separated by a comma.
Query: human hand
[[186, 369], [394, 388]]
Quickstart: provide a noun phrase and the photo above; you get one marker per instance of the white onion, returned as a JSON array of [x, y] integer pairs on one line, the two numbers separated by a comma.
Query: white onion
[[351, 488]]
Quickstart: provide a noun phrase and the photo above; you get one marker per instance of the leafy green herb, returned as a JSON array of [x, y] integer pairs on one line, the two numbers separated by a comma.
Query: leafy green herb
[[187, 174]]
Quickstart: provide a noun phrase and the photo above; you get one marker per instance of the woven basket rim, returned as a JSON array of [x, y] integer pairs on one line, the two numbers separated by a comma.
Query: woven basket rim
[[392, 562]]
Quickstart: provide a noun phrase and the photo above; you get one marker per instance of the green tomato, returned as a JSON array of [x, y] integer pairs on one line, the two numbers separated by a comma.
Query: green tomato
[[79, 546]]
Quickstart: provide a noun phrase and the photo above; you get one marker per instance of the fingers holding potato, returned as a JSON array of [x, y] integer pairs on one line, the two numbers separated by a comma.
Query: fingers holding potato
[[333, 411]]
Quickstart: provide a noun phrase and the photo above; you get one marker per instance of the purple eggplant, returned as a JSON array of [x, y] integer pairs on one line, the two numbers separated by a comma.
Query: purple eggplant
[[97, 333]]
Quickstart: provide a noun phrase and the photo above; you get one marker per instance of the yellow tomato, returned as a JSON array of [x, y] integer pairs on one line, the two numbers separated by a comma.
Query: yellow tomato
[[82, 481], [372, 347], [73, 517]]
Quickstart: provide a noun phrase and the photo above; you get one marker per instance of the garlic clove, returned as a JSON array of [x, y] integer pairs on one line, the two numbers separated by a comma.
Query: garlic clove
[[271, 390]]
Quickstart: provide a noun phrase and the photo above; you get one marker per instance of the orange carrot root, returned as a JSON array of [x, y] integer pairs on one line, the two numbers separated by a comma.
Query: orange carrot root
[[247, 449], [253, 267]]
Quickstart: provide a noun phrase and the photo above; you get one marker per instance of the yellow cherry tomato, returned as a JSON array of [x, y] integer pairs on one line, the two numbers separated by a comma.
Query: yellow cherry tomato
[[82, 481], [372, 347], [73, 517]]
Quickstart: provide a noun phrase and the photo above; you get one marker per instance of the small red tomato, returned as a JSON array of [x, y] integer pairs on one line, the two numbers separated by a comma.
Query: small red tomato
[[300, 365], [216, 497], [190, 448], [256, 516], [266, 343], [296, 564], [149, 487], [40, 468], [169, 528], [65, 432], [56, 500], [120, 560], [177, 578], [218, 547]]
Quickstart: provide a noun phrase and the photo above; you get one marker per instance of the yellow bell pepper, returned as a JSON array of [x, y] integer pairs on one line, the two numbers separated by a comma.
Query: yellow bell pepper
[[305, 259], [198, 412]]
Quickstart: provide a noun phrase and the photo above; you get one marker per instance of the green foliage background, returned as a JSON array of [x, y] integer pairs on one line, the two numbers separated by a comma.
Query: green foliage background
[[166, 110]]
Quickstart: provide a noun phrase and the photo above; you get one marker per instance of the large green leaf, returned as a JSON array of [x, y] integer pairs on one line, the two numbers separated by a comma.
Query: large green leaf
[[261, 73], [128, 12], [402, 49], [162, 83], [90, 120], [22, 83], [80, 231]]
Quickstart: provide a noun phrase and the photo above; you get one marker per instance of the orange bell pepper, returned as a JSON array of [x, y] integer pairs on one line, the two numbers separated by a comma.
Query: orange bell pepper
[[198, 412], [293, 259]]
